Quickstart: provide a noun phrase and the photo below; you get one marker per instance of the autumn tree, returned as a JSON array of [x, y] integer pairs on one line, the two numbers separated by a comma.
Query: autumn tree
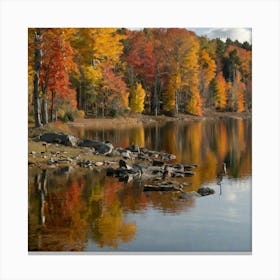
[[37, 69], [219, 87], [137, 99], [236, 95], [95, 69], [100, 66], [193, 104], [207, 71], [114, 93], [57, 63]]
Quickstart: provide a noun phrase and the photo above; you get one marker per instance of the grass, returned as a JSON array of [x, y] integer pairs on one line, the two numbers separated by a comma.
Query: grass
[[38, 155]]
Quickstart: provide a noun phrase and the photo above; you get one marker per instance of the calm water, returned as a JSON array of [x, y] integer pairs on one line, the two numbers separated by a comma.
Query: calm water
[[82, 210]]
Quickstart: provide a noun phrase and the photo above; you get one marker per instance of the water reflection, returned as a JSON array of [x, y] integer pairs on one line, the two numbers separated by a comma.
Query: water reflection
[[70, 209], [208, 143], [67, 210]]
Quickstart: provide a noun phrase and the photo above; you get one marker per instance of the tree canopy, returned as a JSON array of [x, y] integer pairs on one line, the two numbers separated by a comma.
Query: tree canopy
[[113, 71]]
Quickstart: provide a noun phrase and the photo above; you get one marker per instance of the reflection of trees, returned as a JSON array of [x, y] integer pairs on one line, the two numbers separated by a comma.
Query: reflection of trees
[[105, 213], [169, 202], [138, 136], [60, 214], [66, 208]]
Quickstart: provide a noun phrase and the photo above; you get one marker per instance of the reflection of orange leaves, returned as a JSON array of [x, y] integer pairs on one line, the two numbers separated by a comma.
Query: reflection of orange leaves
[[133, 199], [128, 231], [240, 133], [222, 142], [111, 190]]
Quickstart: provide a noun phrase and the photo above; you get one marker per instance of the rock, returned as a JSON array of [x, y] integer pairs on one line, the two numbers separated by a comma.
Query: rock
[[104, 148], [60, 138], [115, 153], [99, 163], [89, 143], [108, 162], [51, 161], [158, 163], [85, 163], [163, 187], [143, 156], [179, 167], [205, 191], [177, 175], [122, 164], [189, 173], [189, 167], [133, 148], [126, 154], [110, 172], [189, 195]]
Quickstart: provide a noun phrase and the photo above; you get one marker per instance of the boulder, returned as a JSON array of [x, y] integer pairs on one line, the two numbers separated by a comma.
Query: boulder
[[104, 148], [60, 138], [89, 143]]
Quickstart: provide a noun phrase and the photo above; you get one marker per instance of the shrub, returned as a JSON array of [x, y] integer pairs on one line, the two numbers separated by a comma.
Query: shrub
[[68, 117], [60, 114], [80, 114]]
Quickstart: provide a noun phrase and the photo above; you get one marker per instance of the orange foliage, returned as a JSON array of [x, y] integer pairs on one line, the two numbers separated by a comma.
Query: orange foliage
[[220, 86]]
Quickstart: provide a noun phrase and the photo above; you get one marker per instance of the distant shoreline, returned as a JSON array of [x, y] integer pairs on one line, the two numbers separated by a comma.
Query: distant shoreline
[[136, 120]]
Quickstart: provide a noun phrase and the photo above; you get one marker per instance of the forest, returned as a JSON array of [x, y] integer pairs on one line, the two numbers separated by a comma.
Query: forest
[[110, 72]]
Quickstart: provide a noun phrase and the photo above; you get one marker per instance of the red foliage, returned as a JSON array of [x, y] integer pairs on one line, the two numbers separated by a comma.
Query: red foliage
[[140, 56]]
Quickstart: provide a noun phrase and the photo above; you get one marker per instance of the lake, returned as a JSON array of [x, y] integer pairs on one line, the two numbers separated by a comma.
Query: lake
[[83, 210]]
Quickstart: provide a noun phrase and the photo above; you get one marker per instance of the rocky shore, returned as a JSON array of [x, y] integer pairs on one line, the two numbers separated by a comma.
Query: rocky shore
[[155, 169]]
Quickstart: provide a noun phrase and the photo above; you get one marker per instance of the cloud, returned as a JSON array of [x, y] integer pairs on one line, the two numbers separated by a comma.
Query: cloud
[[240, 34]]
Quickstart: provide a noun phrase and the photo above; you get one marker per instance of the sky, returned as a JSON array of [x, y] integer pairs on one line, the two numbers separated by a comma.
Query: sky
[[240, 34]]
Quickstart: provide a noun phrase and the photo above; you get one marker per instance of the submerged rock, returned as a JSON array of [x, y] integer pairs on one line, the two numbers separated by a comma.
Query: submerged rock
[[205, 191], [165, 186]]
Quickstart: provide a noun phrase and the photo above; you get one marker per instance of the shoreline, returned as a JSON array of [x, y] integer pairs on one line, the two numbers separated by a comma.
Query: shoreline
[[136, 120], [39, 156]]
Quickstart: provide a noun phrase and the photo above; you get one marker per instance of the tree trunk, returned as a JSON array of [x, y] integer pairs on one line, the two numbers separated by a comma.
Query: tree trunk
[[155, 98], [176, 103], [36, 97], [52, 106], [80, 97], [103, 107], [44, 110]]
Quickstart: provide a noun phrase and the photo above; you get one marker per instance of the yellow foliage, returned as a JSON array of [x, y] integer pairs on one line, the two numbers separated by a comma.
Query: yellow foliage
[[81, 114], [194, 103], [220, 89], [207, 67], [137, 99], [170, 94], [92, 74], [107, 44], [60, 113]]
